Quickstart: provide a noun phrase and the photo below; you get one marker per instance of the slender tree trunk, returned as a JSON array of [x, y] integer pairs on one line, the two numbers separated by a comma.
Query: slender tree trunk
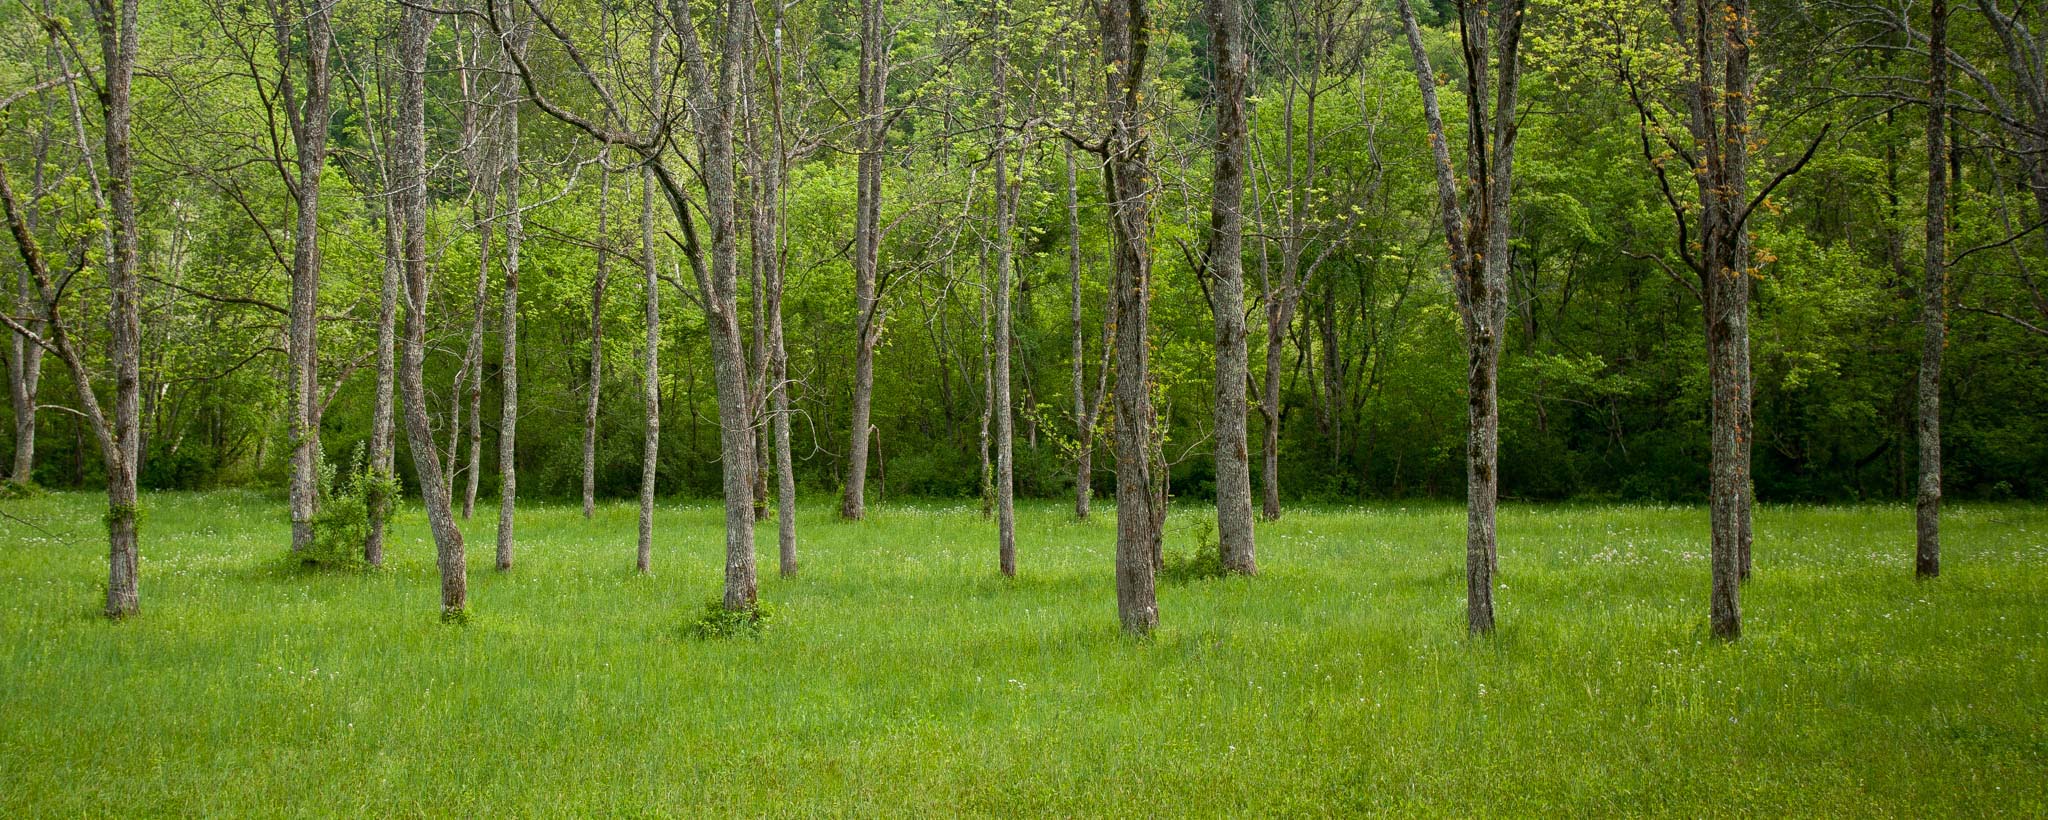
[[650, 448], [988, 399], [383, 455], [1269, 404], [508, 343], [1724, 192], [309, 133], [714, 109], [867, 248], [1933, 299], [119, 44], [409, 148], [1084, 417], [1005, 205], [602, 277], [1126, 34], [1491, 39], [1235, 543]]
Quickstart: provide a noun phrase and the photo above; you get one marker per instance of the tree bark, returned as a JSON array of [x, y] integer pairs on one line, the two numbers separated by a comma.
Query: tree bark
[[1126, 34], [508, 343], [1084, 416], [1005, 206], [714, 110], [1235, 543], [309, 135], [409, 149], [1478, 278], [1933, 299], [602, 277], [383, 455], [867, 246], [650, 448], [119, 45]]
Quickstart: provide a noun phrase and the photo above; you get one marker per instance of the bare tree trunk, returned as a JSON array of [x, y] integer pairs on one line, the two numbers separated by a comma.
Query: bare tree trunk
[[1005, 205], [309, 135], [1126, 34], [597, 286], [1724, 191], [409, 149], [1933, 299], [988, 398], [119, 44], [1269, 406], [1084, 417], [383, 455], [867, 248], [508, 343], [1480, 279], [769, 157], [25, 359], [1235, 542], [650, 448], [714, 110]]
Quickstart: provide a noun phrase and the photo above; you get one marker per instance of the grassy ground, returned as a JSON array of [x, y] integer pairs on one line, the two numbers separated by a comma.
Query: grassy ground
[[903, 676]]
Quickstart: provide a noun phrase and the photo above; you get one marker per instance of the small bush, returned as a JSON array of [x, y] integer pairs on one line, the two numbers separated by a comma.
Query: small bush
[[718, 622], [343, 522], [1203, 563]]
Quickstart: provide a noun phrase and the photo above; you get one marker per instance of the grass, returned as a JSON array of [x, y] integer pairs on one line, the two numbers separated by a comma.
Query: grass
[[902, 675]]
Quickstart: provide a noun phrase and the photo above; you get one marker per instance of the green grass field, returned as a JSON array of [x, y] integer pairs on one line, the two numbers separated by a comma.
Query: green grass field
[[902, 675]]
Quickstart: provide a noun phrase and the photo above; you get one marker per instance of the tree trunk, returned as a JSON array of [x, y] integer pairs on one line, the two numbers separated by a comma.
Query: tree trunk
[[383, 455], [1933, 300], [119, 44], [867, 248], [309, 134], [714, 111], [508, 343], [1005, 205], [1478, 279], [1126, 33], [1724, 193], [1084, 416], [409, 149], [1235, 543], [650, 448], [1269, 406], [602, 277]]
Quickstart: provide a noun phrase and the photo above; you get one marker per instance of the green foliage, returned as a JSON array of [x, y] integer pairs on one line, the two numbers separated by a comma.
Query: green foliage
[[1201, 563], [718, 623], [343, 522]]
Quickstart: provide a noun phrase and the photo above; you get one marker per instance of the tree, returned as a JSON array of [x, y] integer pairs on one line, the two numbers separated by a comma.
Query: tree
[[871, 139], [1127, 171], [1477, 233], [308, 123], [595, 388], [508, 333], [1006, 192], [1933, 299], [1225, 266], [118, 436], [409, 158]]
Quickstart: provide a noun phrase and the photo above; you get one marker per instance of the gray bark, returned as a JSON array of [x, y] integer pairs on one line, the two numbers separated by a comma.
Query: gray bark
[[1084, 416], [119, 45], [650, 448], [1005, 205], [383, 455], [508, 343], [1933, 298], [308, 127], [1491, 41], [1126, 33], [872, 136], [409, 150], [1235, 543], [592, 393]]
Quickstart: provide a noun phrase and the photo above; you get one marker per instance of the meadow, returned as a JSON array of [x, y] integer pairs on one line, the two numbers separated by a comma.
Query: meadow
[[901, 675]]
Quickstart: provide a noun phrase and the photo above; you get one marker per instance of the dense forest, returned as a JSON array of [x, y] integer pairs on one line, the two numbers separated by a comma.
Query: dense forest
[[1265, 253]]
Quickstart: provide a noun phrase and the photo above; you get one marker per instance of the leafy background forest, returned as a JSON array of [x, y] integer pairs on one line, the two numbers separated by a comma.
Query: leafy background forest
[[1603, 381]]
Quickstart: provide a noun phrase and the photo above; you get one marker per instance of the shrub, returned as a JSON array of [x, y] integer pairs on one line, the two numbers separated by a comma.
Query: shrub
[[1203, 563], [343, 522], [718, 622]]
